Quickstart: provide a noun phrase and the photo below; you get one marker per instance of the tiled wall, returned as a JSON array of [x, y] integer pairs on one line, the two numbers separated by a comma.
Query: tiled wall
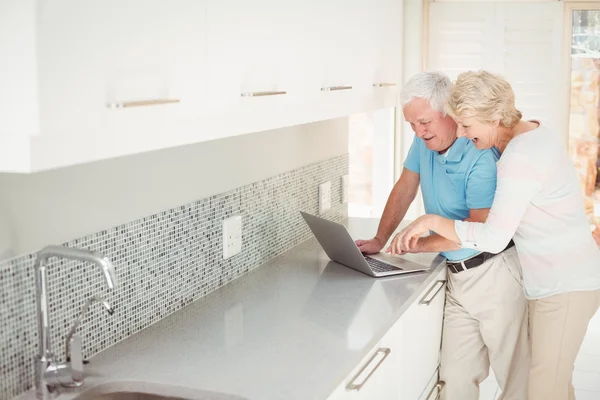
[[163, 262]]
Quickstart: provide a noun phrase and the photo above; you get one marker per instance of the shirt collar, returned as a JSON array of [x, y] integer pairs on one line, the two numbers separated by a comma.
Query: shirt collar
[[455, 152]]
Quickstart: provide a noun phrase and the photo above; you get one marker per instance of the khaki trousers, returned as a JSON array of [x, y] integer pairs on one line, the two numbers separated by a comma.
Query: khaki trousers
[[486, 322], [557, 327]]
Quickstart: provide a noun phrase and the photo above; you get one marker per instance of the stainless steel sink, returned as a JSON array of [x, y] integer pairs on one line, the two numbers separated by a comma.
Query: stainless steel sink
[[132, 396], [121, 394]]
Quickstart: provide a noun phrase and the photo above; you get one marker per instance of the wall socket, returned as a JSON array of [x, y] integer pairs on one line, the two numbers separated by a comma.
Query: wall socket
[[597, 210], [232, 236], [345, 189], [324, 197]]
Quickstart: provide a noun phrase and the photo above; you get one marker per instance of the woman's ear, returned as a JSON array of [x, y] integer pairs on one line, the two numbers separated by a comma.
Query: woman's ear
[[496, 123]]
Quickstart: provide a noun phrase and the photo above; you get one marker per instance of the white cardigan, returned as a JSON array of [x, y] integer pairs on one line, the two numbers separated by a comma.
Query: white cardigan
[[539, 204]]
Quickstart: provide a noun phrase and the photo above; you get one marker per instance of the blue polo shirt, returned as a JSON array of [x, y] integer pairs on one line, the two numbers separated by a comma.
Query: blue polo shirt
[[455, 182]]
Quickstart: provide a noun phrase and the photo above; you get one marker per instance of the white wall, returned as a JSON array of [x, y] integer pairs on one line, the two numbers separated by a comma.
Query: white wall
[[55, 206], [413, 46]]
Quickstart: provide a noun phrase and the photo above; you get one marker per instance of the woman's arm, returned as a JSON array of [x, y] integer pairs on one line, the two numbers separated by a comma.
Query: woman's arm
[[516, 187]]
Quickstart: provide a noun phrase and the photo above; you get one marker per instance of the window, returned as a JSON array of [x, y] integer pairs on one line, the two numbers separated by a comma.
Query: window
[[584, 108], [371, 170]]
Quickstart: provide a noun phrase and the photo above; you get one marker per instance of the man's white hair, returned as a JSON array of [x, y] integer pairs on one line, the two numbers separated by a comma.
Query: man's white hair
[[432, 86]]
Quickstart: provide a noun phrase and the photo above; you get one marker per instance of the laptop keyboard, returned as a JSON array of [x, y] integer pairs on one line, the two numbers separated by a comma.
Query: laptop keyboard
[[380, 266]]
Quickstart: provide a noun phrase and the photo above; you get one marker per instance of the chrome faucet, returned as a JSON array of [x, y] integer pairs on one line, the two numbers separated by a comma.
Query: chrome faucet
[[49, 375], [71, 372]]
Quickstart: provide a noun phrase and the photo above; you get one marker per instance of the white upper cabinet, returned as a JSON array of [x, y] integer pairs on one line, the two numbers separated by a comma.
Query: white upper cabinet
[[113, 78], [255, 55], [18, 79], [86, 81], [387, 66]]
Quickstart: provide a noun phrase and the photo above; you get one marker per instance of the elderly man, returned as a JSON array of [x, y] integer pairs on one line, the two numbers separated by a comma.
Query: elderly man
[[485, 317]]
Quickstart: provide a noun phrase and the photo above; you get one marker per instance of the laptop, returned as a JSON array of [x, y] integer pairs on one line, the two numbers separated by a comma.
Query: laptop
[[340, 247]]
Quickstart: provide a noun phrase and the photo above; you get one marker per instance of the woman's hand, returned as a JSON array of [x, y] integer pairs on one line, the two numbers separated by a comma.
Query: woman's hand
[[407, 240]]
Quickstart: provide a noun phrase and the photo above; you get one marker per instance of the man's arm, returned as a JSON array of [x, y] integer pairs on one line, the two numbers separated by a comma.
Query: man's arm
[[481, 186], [401, 196], [435, 243]]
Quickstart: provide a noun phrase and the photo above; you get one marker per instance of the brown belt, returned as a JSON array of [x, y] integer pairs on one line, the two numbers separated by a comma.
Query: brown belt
[[476, 261]]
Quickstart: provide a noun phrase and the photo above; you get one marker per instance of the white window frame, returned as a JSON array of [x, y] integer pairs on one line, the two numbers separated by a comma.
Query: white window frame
[[569, 7], [414, 60]]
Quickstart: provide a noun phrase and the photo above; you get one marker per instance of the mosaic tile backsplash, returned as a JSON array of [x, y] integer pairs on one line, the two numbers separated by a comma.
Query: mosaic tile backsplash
[[163, 262]]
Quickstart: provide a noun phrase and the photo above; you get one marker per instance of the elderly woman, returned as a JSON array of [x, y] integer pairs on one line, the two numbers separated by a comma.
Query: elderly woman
[[539, 205]]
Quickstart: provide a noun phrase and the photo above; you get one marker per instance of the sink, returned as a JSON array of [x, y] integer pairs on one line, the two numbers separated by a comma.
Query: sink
[[135, 390], [131, 396]]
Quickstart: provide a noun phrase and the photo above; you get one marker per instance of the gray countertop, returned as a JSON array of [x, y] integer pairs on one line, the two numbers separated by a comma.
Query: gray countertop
[[292, 329]]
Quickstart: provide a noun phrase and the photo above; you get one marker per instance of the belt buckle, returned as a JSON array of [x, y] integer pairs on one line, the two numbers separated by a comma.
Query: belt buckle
[[455, 266]]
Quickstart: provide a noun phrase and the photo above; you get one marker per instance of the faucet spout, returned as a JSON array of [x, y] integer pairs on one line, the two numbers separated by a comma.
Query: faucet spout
[[83, 255], [45, 358]]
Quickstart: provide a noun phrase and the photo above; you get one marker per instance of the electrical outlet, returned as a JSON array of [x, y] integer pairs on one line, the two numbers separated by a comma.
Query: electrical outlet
[[324, 197], [232, 236], [597, 210], [345, 189]]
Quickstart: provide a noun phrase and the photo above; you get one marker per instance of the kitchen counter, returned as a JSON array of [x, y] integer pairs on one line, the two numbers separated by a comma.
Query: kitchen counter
[[292, 329]]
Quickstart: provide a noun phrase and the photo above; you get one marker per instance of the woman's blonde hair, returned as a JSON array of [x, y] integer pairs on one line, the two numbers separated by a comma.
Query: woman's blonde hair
[[484, 96]]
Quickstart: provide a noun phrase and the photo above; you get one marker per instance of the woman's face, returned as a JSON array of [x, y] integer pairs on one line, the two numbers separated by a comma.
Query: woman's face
[[481, 134]]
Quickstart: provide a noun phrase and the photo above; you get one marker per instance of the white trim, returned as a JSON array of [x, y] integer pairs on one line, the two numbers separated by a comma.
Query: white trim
[[414, 58], [383, 158]]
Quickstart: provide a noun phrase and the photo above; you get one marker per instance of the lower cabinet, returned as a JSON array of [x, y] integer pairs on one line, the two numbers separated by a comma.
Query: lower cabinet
[[422, 338], [434, 388], [376, 377], [403, 365]]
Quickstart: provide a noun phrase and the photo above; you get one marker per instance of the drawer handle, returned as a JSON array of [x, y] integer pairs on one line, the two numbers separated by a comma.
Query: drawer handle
[[335, 88], [437, 286], [439, 386], [261, 94], [352, 385], [384, 84], [142, 103]]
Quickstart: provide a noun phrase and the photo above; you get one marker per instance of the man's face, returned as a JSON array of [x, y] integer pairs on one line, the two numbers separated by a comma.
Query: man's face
[[437, 132]]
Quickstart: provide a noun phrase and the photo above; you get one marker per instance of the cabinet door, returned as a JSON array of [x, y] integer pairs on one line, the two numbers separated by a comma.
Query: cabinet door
[[118, 77], [387, 52], [18, 70], [255, 57], [377, 376], [421, 334], [340, 38], [433, 389]]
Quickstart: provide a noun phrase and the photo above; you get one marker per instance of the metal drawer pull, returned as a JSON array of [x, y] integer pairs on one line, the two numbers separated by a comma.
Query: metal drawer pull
[[439, 285], [384, 84], [260, 94], [142, 103], [334, 88], [439, 386], [353, 386]]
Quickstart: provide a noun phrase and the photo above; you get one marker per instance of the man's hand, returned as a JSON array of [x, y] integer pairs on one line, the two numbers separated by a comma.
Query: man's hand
[[371, 246]]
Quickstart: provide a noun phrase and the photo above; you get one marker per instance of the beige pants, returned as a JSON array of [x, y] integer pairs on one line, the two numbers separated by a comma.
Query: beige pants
[[485, 322], [557, 327]]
